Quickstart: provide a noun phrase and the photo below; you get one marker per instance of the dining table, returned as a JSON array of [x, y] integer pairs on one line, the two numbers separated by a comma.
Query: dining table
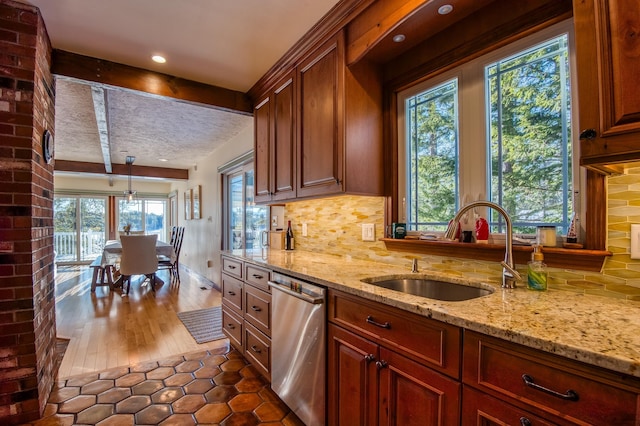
[[112, 251]]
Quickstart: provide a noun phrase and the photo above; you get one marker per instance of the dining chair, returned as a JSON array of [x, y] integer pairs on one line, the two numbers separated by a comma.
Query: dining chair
[[177, 235], [138, 258]]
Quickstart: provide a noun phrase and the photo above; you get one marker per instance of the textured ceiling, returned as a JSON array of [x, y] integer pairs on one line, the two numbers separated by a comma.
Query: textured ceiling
[[226, 43]]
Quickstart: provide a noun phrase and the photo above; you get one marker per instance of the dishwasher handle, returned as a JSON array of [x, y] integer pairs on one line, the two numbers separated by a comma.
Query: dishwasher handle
[[314, 299]]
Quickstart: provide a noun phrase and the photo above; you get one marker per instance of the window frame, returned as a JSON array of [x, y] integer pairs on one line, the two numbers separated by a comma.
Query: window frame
[[474, 173]]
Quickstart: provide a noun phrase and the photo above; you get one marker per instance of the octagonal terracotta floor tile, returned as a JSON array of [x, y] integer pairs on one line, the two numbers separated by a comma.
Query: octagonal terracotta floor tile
[[271, 412], [160, 373], [153, 415], [114, 373], [188, 404], [240, 419], [222, 393], [113, 395], [118, 420], [133, 404], [130, 379], [147, 387], [97, 387], [227, 378], [167, 395], [188, 366], [245, 402], [199, 386], [76, 404], [144, 367], [212, 413], [233, 365], [95, 413], [250, 385], [62, 394], [207, 372], [179, 379]]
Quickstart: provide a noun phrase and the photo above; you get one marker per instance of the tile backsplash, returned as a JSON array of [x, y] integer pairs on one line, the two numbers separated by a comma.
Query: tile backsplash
[[334, 226]]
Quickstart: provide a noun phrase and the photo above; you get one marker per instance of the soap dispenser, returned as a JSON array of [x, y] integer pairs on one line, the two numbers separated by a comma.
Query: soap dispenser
[[537, 270]]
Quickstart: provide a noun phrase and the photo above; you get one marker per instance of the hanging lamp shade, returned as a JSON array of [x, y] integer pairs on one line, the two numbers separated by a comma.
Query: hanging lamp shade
[[130, 193]]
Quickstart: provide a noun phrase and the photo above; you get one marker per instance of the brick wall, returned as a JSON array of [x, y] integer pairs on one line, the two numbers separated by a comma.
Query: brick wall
[[27, 302]]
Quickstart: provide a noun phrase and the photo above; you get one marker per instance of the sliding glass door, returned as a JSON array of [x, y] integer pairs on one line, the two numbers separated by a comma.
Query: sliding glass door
[[80, 227], [245, 221]]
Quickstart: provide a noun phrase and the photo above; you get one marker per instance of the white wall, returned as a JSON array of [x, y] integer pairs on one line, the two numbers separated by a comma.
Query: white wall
[[203, 238], [89, 183]]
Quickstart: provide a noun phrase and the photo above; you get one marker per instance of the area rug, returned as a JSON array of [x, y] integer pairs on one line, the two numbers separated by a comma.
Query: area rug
[[205, 325]]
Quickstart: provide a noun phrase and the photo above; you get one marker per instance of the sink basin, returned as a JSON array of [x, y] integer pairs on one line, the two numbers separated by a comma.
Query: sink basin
[[430, 288]]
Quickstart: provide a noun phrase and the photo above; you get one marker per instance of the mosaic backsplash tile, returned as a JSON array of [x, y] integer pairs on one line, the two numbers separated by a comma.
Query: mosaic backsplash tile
[[334, 226]]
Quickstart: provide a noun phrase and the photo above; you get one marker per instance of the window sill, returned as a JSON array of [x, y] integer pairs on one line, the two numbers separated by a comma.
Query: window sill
[[581, 259]]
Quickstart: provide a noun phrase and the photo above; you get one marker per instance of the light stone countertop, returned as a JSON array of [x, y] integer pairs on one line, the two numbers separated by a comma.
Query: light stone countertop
[[596, 330]]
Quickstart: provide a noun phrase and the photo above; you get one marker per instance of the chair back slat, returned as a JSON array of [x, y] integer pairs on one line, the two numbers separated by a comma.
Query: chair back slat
[[178, 243]]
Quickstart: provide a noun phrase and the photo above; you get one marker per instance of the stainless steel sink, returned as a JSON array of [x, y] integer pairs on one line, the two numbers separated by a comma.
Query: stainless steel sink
[[430, 288]]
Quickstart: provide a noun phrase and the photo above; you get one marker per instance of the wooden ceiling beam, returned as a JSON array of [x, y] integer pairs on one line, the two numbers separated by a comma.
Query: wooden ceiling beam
[[121, 169], [100, 108], [112, 74]]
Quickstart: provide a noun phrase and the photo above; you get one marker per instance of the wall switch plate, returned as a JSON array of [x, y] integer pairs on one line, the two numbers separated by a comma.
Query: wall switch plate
[[635, 241], [304, 229], [368, 232]]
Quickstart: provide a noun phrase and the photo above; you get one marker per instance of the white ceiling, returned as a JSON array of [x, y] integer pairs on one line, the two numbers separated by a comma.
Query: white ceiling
[[226, 43]]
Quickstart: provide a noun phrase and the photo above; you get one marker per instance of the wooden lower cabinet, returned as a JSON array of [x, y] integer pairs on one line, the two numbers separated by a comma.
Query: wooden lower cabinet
[[390, 367], [246, 311]]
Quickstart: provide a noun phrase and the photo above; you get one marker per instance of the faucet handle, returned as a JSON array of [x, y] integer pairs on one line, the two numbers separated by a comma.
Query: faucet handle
[[511, 270], [414, 265]]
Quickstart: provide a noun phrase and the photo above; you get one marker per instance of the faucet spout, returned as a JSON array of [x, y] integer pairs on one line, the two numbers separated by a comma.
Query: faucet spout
[[509, 274]]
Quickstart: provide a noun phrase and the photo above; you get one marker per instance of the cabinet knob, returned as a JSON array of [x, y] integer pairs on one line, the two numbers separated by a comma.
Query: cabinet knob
[[231, 293], [589, 134], [525, 421], [369, 358], [381, 364]]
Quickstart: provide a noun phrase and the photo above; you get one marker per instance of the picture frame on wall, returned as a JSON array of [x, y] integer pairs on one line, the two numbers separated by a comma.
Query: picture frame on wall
[[195, 202], [187, 204]]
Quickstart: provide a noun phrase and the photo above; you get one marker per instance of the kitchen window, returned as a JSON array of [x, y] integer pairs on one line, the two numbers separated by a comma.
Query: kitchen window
[[498, 127]]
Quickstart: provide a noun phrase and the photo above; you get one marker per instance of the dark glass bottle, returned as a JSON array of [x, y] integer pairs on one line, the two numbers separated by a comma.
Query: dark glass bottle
[[288, 238]]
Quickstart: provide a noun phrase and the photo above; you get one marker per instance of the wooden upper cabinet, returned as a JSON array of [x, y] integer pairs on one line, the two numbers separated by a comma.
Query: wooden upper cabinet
[[608, 67], [318, 130], [274, 144], [262, 149], [284, 139], [321, 120]]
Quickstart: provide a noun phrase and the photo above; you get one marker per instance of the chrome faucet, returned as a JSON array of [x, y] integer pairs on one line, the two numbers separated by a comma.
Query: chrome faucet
[[509, 274]]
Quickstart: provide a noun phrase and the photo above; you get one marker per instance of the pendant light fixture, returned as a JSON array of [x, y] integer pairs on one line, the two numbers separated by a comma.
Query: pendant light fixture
[[130, 193]]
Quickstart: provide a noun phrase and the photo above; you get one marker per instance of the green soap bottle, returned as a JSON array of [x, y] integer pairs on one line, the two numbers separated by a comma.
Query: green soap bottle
[[537, 271]]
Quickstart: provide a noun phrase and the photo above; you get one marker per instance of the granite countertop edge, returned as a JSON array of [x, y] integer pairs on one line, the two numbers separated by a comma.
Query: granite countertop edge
[[595, 330]]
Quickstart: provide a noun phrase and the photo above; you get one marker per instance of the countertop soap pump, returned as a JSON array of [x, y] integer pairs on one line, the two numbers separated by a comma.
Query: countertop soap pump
[[537, 270]]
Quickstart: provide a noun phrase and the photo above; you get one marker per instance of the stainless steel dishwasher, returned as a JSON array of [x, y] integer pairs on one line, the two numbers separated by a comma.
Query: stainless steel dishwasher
[[298, 344]]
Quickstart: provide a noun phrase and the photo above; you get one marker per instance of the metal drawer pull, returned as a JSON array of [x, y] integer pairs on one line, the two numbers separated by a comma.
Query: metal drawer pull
[[231, 293], [525, 421], [256, 308], [231, 326], [255, 349], [381, 364], [569, 395], [386, 325], [256, 276], [369, 357], [231, 267]]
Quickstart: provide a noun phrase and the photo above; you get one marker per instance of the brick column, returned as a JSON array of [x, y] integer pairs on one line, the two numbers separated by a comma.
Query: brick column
[[27, 302]]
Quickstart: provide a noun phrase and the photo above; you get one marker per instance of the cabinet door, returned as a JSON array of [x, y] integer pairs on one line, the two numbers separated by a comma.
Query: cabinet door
[[412, 394], [321, 120], [608, 67], [283, 140], [262, 149], [352, 379]]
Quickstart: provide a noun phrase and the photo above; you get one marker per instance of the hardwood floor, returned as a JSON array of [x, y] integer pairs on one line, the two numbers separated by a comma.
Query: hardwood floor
[[107, 330]]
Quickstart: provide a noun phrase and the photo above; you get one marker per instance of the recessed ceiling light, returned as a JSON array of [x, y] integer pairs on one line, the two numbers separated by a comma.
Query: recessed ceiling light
[[163, 159], [445, 9], [398, 38], [159, 59]]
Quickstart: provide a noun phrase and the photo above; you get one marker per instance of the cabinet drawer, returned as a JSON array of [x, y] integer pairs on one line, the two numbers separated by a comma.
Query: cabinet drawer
[[258, 349], [432, 342], [232, 328], [483, 410], [499, 368], [232, 293], [257, 309], [257, 277], [232, 267]]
